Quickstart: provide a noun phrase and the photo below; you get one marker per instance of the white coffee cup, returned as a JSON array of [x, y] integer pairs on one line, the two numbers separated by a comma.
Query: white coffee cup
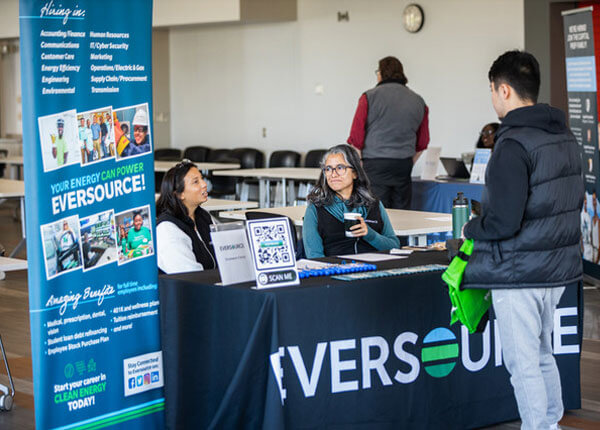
[[350, 219]]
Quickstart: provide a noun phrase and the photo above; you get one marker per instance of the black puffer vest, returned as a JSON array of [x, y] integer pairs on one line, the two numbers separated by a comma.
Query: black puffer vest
[[334, 237], [545, 251], [203, 252]]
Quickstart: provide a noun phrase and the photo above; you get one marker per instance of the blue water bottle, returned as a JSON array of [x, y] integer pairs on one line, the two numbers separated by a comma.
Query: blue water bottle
[[460, 214]]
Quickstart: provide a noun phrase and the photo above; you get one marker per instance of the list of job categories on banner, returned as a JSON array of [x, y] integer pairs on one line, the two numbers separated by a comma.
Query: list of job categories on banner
[[88, 148], [583, 119]]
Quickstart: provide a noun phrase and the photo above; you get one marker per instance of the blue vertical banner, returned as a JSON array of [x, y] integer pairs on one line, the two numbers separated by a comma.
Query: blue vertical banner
[[89, 183], [583, 120]]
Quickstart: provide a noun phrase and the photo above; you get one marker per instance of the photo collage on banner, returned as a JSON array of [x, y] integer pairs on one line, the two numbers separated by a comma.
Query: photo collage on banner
[[89, 200], [583, 120]]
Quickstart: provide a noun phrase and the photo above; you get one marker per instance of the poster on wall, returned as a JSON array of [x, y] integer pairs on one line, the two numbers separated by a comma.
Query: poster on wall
[[89, 182], [583, 120]]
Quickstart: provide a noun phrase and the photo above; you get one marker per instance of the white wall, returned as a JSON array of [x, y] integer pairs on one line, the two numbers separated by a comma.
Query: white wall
[[10, 95], [9, 19], [181, 12], [230, 81]]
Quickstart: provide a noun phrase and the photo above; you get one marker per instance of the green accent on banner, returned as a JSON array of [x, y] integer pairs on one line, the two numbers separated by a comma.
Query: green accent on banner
[[441, 352], [440, 370], [127, 416]]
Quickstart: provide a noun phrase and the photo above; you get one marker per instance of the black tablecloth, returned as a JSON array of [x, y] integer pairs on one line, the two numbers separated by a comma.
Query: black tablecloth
[[373, 353]]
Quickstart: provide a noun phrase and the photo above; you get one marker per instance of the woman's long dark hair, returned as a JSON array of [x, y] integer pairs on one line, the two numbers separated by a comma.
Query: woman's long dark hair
[[173, 185], [323, 195]]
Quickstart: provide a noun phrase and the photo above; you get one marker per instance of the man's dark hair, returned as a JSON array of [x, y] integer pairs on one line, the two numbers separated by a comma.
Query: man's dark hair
[[520, 70], [391, 68]]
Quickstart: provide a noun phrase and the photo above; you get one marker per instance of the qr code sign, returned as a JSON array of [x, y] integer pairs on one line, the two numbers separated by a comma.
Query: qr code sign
[[271, 244]]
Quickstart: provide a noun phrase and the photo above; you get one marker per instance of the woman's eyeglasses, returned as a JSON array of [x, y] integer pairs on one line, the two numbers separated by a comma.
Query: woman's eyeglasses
[[340, 169], [485, 133]]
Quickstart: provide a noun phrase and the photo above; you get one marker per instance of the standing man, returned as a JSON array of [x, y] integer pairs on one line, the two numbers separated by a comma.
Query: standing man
[[527, 240], [82, 139], [89, 142], [96, 136], [60, 144], [391, 129], [103, 136]]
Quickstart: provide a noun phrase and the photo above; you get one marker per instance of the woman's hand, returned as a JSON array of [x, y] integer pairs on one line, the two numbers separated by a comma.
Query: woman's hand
[[360, 229]]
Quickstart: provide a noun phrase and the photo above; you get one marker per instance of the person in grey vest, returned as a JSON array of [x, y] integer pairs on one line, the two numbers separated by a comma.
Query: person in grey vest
[[391, 129], [527, 240]]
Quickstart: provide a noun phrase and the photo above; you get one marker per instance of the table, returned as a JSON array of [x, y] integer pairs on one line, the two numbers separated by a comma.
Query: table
[[10, 188], [11, 264], [213, 205], [437, 196], [334, 354], [414, 224], [164, 166], [282, 174], [13, 163]]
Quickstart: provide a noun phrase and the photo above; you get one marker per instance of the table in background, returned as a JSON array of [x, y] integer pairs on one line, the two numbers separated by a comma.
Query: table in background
[[164, 166], [11, 264], [287, 176], [213, 205], [222, 347], [14, 165], [11, 189], [437, 196], [414, 224]]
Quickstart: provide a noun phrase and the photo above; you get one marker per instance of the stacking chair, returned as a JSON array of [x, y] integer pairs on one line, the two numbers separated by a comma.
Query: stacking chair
[[221, 186], [167, 154], [313, 159], [196, 153], [164, 154], [249, 158], [3, 154], [284, 159], [6, 396]]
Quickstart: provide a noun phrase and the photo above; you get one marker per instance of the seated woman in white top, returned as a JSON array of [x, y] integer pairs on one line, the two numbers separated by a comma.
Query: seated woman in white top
[[182, 228]]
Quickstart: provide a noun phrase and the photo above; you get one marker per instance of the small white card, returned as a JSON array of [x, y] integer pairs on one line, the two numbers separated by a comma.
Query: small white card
[[397, 251], [432, 159], [371, 257], [482, 156], [272, 250], [233, 255]]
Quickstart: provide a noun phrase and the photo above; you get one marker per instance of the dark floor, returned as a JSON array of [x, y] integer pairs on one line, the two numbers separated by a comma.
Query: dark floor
[[14, 329]]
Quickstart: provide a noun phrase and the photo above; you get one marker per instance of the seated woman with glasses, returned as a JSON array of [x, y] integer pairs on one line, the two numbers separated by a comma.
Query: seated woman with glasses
[[182, 227], [343, 187], [487, 135]]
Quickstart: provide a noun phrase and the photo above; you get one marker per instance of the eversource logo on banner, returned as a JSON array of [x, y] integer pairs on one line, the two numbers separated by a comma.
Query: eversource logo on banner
[[440, 353]]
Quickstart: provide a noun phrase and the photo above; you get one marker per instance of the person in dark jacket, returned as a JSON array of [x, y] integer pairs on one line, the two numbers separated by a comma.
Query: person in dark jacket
[[183, 227], [391, 129], [526, 242], [343, 187]]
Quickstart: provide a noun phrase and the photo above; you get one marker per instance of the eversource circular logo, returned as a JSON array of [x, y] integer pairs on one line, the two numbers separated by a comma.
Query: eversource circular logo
[[439, 353]]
